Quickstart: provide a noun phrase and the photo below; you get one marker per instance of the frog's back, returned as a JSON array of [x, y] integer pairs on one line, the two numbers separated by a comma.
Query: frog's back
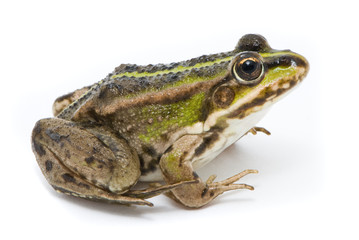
[[129, 82], [132, 79]]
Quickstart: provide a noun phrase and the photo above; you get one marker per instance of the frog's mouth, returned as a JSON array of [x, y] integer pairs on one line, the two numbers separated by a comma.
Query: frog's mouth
[[283, 74]]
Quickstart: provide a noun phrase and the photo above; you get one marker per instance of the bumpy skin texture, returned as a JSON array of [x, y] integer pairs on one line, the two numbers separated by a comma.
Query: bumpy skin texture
[[160, 122]]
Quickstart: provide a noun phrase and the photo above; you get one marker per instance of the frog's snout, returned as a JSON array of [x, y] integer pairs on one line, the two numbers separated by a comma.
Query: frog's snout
[[300, 63], [289, 60]]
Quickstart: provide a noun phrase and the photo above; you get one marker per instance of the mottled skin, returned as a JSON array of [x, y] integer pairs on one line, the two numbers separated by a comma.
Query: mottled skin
[[160, 122]]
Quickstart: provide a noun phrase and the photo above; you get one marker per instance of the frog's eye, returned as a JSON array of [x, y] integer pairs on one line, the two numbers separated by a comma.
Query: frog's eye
[[248, 68]]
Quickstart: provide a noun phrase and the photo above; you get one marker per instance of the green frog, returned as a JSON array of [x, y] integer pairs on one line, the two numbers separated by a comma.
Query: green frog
[[159, 123]]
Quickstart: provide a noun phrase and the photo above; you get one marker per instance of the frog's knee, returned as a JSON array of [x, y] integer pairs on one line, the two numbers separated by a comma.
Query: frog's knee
[[38, 137], [50, 132], [39, 126]]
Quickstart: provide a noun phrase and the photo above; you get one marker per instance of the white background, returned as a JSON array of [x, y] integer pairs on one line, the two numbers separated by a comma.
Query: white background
[[308, 182]]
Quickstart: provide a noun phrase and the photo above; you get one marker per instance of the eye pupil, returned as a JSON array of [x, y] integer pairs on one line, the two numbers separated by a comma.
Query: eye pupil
[[249, 66]]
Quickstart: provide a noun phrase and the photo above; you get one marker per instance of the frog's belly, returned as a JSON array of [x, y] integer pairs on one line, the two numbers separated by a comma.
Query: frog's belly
[[235, 130]]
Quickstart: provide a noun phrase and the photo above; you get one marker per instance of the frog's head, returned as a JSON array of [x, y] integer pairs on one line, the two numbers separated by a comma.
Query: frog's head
[[257, 76]]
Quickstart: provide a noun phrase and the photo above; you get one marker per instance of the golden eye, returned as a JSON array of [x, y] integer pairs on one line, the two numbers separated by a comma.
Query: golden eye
[[248, 68]]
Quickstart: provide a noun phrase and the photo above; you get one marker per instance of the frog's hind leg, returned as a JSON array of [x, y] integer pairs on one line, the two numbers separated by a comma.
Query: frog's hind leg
[[75, 162], [65, 181]]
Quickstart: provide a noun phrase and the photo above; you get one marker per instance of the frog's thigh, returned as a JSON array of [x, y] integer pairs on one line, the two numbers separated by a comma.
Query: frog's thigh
[[76, 162]]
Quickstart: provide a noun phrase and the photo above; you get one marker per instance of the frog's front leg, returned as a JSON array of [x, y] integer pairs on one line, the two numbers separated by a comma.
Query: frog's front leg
[[86, 162], [255, 130], [176, 166]]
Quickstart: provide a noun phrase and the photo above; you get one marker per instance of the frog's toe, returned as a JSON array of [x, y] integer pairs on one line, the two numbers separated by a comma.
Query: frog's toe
[[213, 189], [234, 178], [255, 130]]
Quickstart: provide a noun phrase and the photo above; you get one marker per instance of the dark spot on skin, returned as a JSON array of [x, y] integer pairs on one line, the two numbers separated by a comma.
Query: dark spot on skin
[[89, 160], [94, 181], [149, 150], [81, 175], [152, 166], [240, 112], [48, 165], [182, 158], [38, 148], [207, 142], [102, 162], [164, 137], [68, 178], [284, 61], [54, 136], [204, 192], [72, 124], [281, 91], [126, 68], [100, 166], [211, 194], [195, 175], [67, 154], [94, 150], [37, 129], [142, 162], [102, 94], [84, 185], [201, 148], [218, 129]]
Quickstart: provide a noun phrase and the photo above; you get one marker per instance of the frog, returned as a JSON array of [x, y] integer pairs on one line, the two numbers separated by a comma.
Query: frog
[[161, 123]]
